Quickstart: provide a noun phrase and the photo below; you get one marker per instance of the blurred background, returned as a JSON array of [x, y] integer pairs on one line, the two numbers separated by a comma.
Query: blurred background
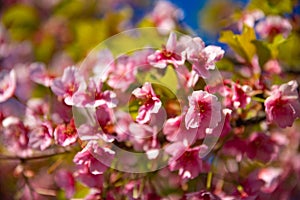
[[61, 33]]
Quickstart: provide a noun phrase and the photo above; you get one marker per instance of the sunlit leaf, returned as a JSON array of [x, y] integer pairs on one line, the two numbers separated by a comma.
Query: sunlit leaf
[[170, 79], [289, 51], [240, 43], [272, 6]]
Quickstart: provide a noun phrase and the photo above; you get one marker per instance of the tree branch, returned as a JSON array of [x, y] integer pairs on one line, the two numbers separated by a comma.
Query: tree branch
[[35, 157]]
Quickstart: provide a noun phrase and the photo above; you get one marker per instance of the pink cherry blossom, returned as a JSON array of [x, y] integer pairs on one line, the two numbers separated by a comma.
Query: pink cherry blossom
[[105, 119], [175, 131], [65, 180], [203, 58], [240, 98], [123, 120], [66, 134], [94, 96], [37, 108], [140, 59], [90, 157], [16, 136], [272, 26], [150, 103], [170, 54], [143, 137], [122, 73], [283, 106], [261, 147], [102, 63], [187, 78], [236, 147], [40, 137], [70, 82], [165, 15], [235, 95], [273, 67], [204, 111], [186, 160], [249, 18], [7, 85], [89, 179], [39, 74]]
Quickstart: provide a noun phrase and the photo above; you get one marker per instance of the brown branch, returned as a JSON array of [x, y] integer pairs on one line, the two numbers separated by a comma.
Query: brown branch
[[239, 122], [36, 157]]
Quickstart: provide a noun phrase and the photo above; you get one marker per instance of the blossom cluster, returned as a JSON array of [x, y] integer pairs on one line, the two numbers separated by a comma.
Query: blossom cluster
[[192, 122]]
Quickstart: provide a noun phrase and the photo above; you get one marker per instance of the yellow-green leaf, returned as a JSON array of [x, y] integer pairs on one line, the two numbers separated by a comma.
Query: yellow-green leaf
[[240, 43]]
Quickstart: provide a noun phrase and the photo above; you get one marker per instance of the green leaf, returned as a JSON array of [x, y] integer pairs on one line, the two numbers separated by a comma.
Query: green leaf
[[273, 7], [278, 40], [75, 8], [266, 50], [44, 49], [240, 43], [289, 51], [225, 64], [169, 80], [81, 191], [21, 20], [263, 52]]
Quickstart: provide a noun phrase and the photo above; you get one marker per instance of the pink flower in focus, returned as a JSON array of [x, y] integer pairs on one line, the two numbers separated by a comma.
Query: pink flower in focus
[[40, 137], [170, 54], [66, 134], [204, 111], [70, 82], [235, 95], [90, 157], [65, 180], [7, 85], [186, 160], [272, 26], [151, 103], [283, 106], [203, 58]]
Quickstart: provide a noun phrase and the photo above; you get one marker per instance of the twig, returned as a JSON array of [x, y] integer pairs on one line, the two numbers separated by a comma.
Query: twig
[[43, 156], [254, 120]]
